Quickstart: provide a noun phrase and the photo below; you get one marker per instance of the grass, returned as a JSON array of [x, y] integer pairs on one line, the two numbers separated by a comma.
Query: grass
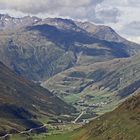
[[107, 86], [66, 133], [43, 137], [72, 98]]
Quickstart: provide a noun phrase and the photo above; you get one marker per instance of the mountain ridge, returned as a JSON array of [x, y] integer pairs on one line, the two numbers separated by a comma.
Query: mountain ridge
[[58, 44], [23, 103]]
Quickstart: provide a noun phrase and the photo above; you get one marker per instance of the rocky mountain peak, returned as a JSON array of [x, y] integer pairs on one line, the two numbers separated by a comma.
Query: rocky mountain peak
[[101, 31], [8, 22], [64, 24]]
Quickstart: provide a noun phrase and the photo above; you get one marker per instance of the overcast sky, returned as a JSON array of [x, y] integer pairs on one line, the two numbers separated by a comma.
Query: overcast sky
[[121, 15]]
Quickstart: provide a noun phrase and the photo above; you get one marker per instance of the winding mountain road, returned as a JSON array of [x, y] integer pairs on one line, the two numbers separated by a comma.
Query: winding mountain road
[[78, 117], [23, 132]]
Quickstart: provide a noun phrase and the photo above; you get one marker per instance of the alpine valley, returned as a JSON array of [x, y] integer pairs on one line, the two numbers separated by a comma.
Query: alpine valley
[[62, 79]]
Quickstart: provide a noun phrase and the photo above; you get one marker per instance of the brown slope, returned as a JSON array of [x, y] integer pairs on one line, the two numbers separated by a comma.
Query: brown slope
[[22, 102], [121, 124]]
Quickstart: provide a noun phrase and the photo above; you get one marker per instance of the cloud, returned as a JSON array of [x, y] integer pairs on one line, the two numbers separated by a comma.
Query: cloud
[[108, 14], [120, 15], [42, 6], [134, 39], [132, 28], [77, 9], [134, 2], [123, 17]]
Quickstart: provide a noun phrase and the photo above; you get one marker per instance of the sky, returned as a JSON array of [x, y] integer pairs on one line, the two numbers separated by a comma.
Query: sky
[[122, 15]]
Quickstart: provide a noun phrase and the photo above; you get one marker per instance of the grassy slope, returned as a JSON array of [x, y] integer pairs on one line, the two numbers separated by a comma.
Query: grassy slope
[[120, 124], [23, 102], [105, 82]]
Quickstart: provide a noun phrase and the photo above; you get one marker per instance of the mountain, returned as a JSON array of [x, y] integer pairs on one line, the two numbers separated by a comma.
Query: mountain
[[122, 123], [28, 44], [101, 31], [9, 23], [98, 87], [23, 103], [89, 66]]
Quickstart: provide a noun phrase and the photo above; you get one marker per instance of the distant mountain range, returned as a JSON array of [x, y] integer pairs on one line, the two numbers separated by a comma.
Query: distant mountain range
[[50, 66], [40, 48]]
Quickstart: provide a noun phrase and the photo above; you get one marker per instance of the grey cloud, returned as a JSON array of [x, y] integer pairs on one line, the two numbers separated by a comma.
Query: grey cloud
[[77, 9], [42, 6], [134, 2], [132, 28], [109, 15]]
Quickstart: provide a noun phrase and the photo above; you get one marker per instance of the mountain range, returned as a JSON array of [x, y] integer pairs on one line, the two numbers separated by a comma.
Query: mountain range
[[29, 43], [53, 69]]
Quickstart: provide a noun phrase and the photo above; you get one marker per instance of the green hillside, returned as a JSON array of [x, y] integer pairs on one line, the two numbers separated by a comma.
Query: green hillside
[[120, 124], [23, 103], [100, 86]]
